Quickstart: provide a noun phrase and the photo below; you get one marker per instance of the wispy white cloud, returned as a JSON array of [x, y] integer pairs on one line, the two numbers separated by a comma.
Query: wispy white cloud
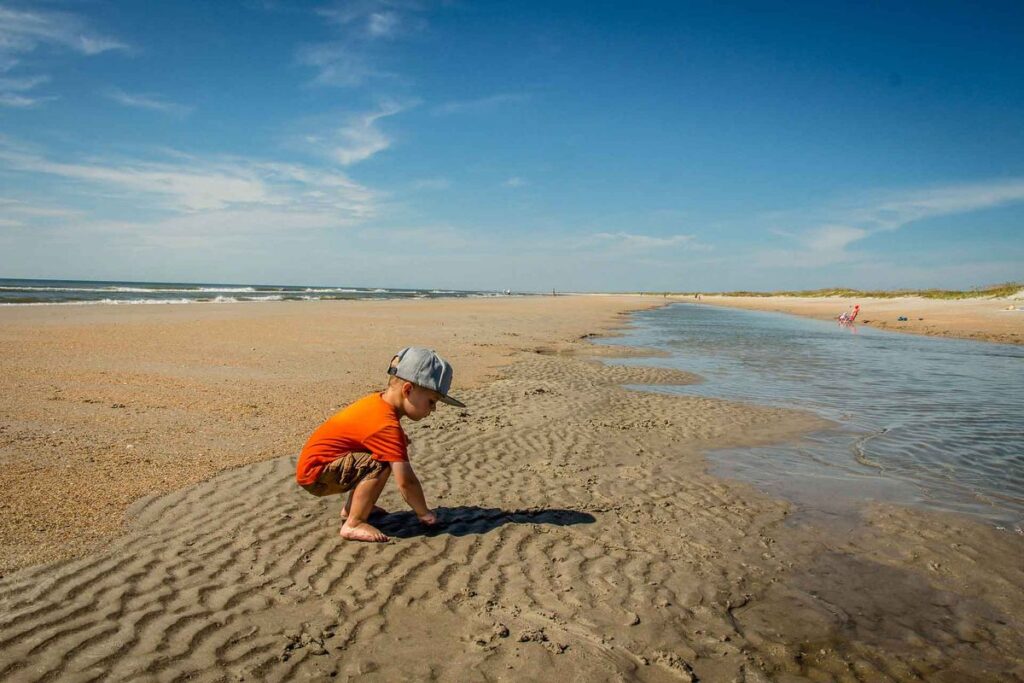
[[481, 104], [146, 101], [515, 181], [182, 198], [383, 24], [374, 19], [829, 242], [314, 189], [20, 207], [16, 92], [361, 137], [17, 101], [23, 31], [364, 28], [897, 210], [337, 65], [190, 184], [181, 187], [631, 241], [22, 84], [210, 229], [832, 238]]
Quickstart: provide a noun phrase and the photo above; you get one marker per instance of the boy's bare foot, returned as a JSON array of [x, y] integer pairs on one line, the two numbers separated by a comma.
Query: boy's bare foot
[[377, 510], [364, 532], [429, 519]]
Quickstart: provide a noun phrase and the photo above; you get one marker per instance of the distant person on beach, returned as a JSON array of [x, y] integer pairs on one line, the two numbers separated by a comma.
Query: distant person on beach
[[849, 315], [357, 449]]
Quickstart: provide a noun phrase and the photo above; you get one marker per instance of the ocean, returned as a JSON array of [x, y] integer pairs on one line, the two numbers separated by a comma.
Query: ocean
[[38, 292], [922, 421]]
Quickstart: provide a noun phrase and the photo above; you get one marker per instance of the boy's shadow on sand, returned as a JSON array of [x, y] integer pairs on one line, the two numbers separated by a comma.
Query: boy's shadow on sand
[[470, 519]]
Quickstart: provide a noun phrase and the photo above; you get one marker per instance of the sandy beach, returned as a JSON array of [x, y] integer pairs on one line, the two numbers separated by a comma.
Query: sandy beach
[[136, 400], [984, 319], [152, 530]]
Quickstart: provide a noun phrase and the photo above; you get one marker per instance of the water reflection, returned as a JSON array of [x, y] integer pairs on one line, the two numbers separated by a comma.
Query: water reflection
[[926, 420]]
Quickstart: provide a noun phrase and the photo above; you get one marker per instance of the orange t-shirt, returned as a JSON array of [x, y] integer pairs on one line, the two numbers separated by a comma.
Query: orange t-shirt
[[370, 425]]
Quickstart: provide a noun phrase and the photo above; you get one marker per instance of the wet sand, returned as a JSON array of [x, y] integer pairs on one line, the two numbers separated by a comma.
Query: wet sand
[[978, 319], [583, 538]]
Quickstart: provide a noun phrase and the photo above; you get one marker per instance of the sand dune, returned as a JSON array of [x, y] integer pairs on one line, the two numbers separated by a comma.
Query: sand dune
[[582, 541]]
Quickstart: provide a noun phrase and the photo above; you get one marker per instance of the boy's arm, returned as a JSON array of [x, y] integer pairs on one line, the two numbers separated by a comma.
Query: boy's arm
[[412, 492]]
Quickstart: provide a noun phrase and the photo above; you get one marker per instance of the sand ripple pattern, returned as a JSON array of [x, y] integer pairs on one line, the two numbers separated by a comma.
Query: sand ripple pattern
[[582, 542]]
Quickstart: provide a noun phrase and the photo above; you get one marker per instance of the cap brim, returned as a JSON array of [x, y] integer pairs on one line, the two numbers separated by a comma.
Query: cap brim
[[452, 401]]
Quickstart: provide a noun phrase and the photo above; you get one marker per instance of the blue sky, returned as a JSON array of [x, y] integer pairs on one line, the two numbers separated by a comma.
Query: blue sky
[[579, 146]]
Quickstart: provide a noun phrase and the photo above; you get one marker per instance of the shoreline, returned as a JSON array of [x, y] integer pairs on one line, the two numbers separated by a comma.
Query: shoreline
[[985, 320], [585, 538]]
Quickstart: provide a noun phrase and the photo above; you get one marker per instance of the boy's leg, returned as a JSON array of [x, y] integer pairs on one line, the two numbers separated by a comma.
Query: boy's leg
[[377, 510], [361, 503]]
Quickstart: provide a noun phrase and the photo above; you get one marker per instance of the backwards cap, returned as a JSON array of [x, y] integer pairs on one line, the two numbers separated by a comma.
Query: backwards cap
[[425, 368]]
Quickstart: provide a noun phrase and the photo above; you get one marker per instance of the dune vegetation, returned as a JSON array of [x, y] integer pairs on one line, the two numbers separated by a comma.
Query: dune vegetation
[[990, 292]]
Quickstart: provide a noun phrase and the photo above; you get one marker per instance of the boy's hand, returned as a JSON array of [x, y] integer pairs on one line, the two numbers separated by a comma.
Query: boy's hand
[[429, 519]]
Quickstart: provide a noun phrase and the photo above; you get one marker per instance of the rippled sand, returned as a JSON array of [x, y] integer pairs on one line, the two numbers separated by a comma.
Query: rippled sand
[[583, 539]]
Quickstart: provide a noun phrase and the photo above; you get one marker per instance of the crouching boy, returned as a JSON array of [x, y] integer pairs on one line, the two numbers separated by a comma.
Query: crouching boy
[[357, 449]]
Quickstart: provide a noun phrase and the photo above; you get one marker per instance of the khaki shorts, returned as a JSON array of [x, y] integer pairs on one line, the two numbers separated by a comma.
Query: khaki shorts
[[344, 473]]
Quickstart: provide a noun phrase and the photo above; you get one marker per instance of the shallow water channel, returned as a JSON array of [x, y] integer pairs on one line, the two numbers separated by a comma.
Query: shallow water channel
[[919, 420]]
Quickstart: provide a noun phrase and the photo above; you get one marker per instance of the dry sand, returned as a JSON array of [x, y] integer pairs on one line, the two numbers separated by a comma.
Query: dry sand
[[583, 538], [103, 404], [981, 319]]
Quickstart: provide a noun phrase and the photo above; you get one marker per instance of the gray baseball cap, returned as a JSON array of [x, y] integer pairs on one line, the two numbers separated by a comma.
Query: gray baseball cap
[[425, 368]]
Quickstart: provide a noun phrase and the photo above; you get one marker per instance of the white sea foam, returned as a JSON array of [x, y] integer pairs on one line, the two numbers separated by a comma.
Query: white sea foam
[[63, 289], [129, 290], [131, 302], [97, 302], [151, 290], [120, 302], [227, 289], [331, 290], [131, 293]]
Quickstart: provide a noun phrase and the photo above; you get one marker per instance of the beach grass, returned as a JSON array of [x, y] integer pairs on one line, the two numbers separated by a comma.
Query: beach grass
[[990, 292]]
